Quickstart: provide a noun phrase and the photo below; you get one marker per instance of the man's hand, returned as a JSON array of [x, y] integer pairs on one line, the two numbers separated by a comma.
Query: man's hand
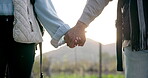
[[76, 35]]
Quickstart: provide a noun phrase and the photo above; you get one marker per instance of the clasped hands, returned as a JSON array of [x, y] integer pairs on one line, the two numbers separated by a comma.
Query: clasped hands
[[76, 35]]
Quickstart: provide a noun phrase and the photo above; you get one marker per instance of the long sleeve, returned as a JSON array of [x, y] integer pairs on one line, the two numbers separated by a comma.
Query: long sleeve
[[52, 23], [6, 7], [92, 9]]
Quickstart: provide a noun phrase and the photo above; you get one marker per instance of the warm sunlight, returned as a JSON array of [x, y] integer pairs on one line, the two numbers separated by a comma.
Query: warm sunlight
[[102, 29]]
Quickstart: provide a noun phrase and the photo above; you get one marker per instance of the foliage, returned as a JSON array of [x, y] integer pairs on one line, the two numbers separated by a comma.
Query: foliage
[[77, 69]]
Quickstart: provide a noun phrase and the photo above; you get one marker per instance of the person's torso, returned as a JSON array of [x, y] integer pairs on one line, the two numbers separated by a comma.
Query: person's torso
[[26, 28], [135, 22]]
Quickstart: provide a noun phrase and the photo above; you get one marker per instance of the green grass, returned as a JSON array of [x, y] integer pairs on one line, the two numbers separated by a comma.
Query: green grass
[[113, 76], [86, 76]]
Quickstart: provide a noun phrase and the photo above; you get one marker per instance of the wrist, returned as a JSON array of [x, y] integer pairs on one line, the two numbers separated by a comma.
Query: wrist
[[81, 25]]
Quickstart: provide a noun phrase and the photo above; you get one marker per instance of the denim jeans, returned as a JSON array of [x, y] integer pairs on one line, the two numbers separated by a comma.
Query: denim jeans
[[136, 63]]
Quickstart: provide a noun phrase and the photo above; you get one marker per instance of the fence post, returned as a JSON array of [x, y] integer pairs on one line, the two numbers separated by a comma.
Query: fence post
[[100, 60]]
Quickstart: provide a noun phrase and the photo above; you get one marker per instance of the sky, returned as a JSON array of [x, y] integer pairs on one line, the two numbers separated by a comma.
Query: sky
[[102, 29]]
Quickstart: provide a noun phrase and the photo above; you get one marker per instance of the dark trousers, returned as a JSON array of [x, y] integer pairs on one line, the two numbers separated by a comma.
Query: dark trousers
[[17, 57]]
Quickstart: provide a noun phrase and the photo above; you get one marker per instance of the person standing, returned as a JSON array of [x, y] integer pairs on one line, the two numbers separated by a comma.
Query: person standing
[[132, 29], [20, 32]]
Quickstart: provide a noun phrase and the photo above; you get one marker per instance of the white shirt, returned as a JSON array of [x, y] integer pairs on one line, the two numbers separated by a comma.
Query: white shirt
[[92, 9]]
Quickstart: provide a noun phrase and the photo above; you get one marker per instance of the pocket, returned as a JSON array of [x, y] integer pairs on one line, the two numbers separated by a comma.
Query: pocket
[[31, 26]]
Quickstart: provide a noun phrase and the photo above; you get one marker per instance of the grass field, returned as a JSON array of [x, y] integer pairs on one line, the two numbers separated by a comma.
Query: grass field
[[86, 76]]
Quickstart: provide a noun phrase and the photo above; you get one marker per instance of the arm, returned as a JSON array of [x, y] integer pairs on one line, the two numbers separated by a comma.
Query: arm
[[92, 9], [52, 23]]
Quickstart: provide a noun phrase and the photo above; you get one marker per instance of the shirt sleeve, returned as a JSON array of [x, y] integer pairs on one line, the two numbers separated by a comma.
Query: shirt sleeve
[[51, 22], [92, 9]]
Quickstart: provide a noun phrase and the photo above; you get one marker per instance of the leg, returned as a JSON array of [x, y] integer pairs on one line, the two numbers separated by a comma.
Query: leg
[[21, 60], [136, 63], [6, 37], [3, 63]]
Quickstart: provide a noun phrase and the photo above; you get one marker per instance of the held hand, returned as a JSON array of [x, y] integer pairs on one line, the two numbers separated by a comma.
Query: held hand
[[76, 35]]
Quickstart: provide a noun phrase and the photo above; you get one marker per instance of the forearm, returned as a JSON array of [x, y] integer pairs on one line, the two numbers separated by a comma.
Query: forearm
[[92, 9], [48, 17], [52, 23]]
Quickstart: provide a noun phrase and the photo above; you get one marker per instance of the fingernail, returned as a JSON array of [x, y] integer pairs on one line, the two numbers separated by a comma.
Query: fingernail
[[79, 38], [75, 41]]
